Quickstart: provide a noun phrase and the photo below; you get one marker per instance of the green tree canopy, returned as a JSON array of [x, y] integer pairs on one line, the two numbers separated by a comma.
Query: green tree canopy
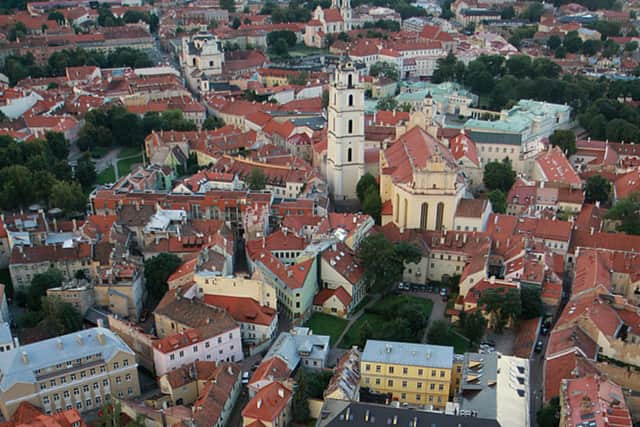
[[531, 303], [438, 333], [257, 180], [565, 139], [364, 183], [212, 122], [627, 212], [156, 272], [384, 69], [501, 305], [597, 189], [52, 278], [372, 204], [499, 175], [498, 201], [473, 326]]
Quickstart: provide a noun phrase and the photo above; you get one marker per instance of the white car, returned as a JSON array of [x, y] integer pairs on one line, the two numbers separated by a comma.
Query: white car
[[245, 378]]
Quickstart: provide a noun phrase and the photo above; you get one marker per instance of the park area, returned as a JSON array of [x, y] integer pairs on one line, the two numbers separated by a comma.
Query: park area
[[395, 317], [325, 324], [127, 157]]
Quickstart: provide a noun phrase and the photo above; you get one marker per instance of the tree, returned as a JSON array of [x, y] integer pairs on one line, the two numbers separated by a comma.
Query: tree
[[212, 122], [365, 333], [531, 303], [473, 326], [554, 42], [533, 12], [299, 403], [109, 415], [85, 172], [591, 47], [300, 79], [372, 204], [631, 46], [383, 261], [565, 139], [317, 382], [508, 13], [67, 196], [280, 48], [438, 333], [502, 305], [572, 42], [229, 5], [40, 282], [156, 272], [257, 180], [387, 104], [56, 16], [549, 414], [235, 23], [60, 317], [519, 66], [597, 189], [498, 201], [499, 175], [367, 180], [544, 67], [385, 69], [626, 212]]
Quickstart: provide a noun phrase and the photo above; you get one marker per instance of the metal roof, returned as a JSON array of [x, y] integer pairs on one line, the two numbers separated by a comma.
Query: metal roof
[[402, 353]]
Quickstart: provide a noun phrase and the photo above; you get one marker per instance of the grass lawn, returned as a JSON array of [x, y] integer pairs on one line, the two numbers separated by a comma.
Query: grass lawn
[[324, 324], [352, 337], [126, 159], [460, 345], [364, 302], [400, 300], [107, 176]]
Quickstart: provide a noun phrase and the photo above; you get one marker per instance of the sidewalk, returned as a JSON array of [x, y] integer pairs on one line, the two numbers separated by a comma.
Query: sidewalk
[[374, 299]]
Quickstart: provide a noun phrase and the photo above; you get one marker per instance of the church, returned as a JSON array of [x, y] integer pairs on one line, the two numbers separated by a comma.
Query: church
[[421, 182], [335, 20]]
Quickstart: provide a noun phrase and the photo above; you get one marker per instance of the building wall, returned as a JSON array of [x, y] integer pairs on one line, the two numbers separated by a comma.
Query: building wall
[[86, 386], [224, 347], [243, 287], [418, 385], [81, 298], [136, 339]]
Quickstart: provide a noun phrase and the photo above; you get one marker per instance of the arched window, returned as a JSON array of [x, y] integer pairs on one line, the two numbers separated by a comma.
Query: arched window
[[350, 100], [350, 126], [439, 215], [350, 80], [349, 155], [406, 209], [397, 208], [424, 212]]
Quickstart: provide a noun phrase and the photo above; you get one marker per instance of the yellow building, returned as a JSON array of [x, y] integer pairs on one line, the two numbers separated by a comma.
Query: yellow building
[[418, 374], [419, 177]]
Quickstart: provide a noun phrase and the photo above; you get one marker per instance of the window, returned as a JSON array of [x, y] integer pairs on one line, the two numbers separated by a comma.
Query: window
[[56, 397], [195, 348], [43, 386], [391, 369], [65, 394], [63, 380], [76, 391], [45, 400], [433, 373], [377, 381], [420, 371], [53, 383], [349, 154], [85, 388], [125, 362], [405, 371], [419, 385], [127, 378], [377, 368], [83, 374], [181, 354], [129, 391], [403, 396], [219, 340], [350, 102], [78, 405], [418, 396], [118, 380], [350, 126], [404, 384], [367, 367], [105, 383], [73, 377], [92, 371], [432, 386], [88, 403], [390, 383], [230, 335], [116, 365], [172, 357], [442, 374], [103, 369], [441, 387], [98, 400], [96, 386]]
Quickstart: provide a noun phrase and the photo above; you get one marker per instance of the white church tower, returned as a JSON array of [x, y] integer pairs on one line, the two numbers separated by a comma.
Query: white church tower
[[345, 140]]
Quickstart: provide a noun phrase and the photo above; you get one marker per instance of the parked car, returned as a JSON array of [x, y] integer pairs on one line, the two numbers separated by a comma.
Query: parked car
[[443, 291], [245, 377], [403, 286], [538, 347]]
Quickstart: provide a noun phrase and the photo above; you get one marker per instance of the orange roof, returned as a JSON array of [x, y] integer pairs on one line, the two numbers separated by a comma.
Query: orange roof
[[244, 310], [556, 168], [332, 15], [272, 369], [345, 262], [627, 183], [326, 293], [268, 403]]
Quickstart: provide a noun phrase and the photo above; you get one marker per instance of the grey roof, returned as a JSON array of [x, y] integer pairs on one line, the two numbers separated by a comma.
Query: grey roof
[[351, 414], [289, 346], [43, 354], [475, 391], [402, 353], [315, 123], [5, 334], [495, 138]]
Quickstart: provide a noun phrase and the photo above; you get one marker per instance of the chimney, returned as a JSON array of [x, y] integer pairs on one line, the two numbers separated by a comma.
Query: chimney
[[492, 280], [281, 392], [259, 403], [79, 339], [59, 344], [100, 323], [75, 224], [16, 342], [592, 230], [101, 338], [25, 358]]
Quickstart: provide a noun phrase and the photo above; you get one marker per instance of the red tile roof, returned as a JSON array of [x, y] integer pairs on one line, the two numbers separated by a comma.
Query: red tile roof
[[268, 403], [244, 310], [344, 261], [342, 295], [593, 399], [556, 168]]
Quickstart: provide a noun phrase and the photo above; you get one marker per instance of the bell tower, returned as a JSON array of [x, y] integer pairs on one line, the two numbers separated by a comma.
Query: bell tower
[[345, 138]]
